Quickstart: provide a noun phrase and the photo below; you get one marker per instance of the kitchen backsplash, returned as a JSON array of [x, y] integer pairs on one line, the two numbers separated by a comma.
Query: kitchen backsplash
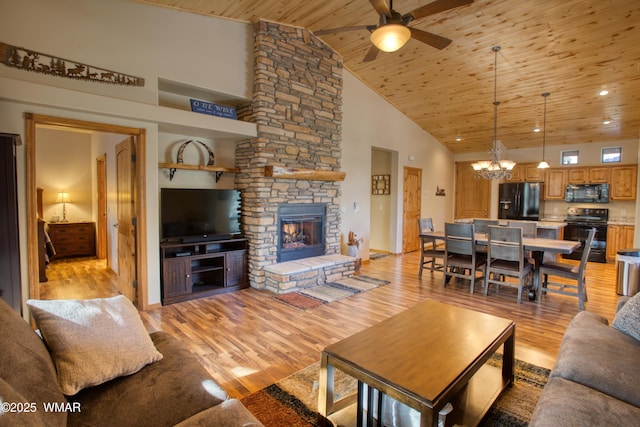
[[622, 212]]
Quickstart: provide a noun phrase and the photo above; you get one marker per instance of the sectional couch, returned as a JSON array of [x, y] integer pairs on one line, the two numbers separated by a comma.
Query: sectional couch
[[173, 389], [596, 378]]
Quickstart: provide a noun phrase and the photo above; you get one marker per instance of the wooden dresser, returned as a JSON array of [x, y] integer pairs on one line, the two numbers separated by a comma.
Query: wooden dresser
[[73, 238]]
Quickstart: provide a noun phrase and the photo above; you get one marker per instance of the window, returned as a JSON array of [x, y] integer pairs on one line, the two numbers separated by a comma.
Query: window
[[569, 157], [611, 155]]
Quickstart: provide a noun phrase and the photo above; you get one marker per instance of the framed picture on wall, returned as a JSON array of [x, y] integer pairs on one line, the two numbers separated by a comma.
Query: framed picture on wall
[[380, 184]]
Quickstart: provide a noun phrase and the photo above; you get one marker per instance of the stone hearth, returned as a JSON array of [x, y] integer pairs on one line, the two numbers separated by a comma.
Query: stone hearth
[[297, 106]]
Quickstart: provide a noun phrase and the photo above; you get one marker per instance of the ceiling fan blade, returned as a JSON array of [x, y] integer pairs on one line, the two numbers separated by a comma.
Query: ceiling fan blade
[[371, 54], [344, 29], [381, 7], [437, 7], [431, 39]]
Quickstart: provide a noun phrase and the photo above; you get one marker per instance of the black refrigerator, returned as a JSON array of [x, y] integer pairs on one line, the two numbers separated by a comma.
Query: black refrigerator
[[520, 200]]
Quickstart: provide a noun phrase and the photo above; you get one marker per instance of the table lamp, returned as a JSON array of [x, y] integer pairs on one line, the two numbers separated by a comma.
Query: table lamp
[[63, 197]]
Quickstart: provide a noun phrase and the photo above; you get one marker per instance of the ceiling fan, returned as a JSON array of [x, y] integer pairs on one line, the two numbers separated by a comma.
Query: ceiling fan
[[393, 30]]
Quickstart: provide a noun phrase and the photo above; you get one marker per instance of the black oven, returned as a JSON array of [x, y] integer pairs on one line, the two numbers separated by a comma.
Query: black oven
[[579, 222]]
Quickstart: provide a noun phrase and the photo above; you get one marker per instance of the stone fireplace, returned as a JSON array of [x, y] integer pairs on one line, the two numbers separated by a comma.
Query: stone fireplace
[[301, 231], [297, 106]]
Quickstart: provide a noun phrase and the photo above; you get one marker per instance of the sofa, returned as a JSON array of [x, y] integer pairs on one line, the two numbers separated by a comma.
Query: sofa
[[173, 389], [596, 377]]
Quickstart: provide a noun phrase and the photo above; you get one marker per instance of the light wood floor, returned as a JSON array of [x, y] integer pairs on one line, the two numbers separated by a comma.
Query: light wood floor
[[248, 339]]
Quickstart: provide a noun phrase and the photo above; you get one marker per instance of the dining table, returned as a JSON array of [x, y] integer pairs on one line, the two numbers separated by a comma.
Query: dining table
[[536, 245]]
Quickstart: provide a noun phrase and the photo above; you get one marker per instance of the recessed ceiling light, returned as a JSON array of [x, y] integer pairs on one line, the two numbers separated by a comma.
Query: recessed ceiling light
[[603, 92], [536, 129], [606, 122], [458, 138]]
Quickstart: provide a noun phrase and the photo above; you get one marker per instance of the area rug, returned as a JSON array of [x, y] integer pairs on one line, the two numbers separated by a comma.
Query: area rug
[[293, 401], [297, 300], [317, 295]]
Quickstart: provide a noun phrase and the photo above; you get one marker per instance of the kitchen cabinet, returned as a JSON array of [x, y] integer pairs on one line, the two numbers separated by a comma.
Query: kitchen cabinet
[[623, 183], [619, 237], [555, 182], [532, 173], [594, 175], [526, 172]]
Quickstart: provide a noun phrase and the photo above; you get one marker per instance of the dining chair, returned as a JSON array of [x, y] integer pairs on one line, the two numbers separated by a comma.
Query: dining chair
[[482, 225], [429, 250], [505, 258], [569, 272], [529, 228], [460, 254]]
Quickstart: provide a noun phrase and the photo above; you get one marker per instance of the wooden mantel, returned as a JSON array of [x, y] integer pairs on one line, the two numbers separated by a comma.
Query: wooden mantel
[[306, 174]]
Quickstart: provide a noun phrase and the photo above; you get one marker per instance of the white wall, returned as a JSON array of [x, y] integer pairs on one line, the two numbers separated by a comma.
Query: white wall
[[381, 204], [370, 121], [132, 38], [63, 162]]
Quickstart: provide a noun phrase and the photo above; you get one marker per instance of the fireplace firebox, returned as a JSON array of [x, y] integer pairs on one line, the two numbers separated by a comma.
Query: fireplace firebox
[[301, 230]]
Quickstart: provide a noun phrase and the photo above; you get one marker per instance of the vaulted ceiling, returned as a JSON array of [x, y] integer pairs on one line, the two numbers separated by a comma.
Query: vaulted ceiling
[[570, 48]]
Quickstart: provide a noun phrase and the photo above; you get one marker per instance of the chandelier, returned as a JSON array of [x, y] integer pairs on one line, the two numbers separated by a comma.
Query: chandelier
[[494, 168]]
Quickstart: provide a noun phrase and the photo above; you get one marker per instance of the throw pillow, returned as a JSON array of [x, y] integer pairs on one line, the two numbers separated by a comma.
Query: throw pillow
[[93, 341], [627, 319]]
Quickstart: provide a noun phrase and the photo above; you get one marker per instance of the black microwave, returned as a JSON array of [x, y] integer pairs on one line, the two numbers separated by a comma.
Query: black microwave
[[587, 193]]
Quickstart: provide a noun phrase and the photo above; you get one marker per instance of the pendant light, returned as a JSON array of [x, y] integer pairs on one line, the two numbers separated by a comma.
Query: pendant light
[[494, 168], [543, 164]]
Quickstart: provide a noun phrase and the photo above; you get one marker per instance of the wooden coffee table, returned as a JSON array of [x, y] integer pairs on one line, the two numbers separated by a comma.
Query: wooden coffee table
[[424, 357]]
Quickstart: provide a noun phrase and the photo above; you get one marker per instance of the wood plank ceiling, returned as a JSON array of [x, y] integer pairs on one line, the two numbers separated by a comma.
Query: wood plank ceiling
[[570, 48]]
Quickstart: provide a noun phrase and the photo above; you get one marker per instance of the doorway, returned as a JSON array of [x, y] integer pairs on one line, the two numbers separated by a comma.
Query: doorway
[[32, 121], [383, 203]]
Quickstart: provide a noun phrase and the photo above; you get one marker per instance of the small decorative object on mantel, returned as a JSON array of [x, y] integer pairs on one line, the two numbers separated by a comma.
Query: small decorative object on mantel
[[381, 184], [30, 60], [213, 109], [440, 191]]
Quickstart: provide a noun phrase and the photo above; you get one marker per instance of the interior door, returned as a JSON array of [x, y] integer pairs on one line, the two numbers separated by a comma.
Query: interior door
[[472, 195], [125, 172], [101, 175], [412, 203]]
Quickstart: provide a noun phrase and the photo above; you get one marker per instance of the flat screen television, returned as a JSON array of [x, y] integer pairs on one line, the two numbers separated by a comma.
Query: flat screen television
[[194, 214]]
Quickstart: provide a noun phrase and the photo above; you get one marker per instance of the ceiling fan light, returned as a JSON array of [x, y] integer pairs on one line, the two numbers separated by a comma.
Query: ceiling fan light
[[390, 37]]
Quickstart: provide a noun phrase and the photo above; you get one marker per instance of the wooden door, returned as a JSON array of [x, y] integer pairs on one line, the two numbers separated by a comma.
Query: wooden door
[[101, 172], [472, 195], [412, 207], [125, 171]]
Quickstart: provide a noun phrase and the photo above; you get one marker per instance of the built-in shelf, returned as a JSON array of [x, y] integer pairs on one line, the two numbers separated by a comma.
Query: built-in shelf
[[215, 169], [304, 174], [175, 97]]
